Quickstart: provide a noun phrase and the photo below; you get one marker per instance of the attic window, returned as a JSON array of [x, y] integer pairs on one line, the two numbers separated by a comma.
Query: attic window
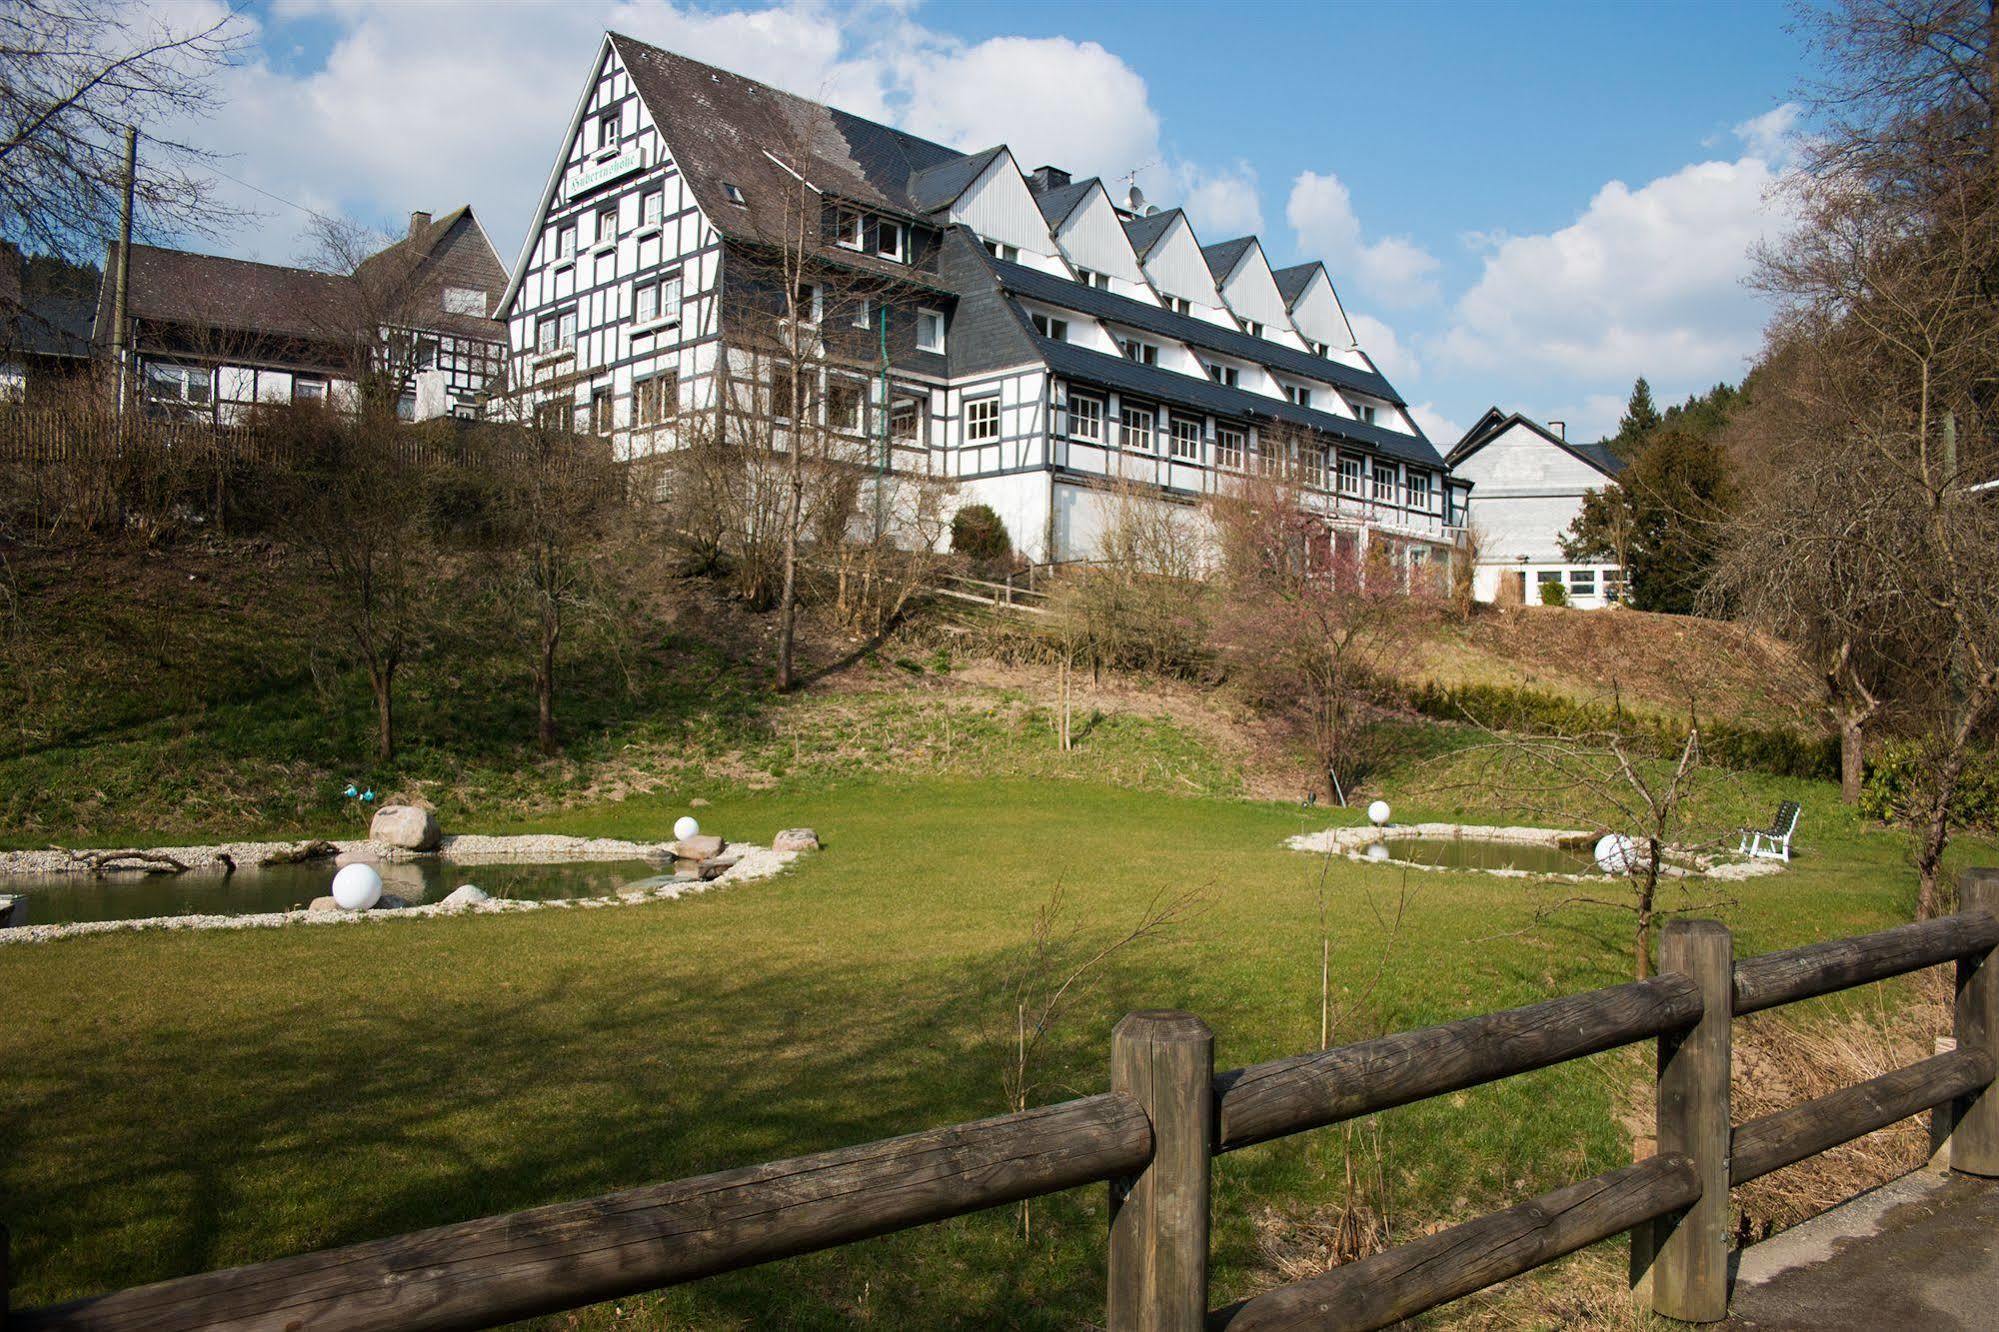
[[734, 195]]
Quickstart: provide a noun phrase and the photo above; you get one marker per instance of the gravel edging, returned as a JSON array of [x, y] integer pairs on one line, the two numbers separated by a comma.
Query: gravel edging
[[1352, 842], [753, 862], [467, 848]]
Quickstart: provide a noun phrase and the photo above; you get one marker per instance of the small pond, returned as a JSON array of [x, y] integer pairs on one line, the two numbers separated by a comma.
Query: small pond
[[59, 899], [1472, 853]]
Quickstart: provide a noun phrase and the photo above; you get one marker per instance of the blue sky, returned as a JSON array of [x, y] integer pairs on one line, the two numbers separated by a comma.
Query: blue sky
[[1522, 204]]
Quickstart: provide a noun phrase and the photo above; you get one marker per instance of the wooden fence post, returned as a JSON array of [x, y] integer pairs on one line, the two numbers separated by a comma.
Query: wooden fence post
[[1159, 1217], [1974, 1119], [6, 1274], [1688, 1251]]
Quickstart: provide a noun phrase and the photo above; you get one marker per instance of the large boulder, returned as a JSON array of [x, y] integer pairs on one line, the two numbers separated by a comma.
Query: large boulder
[[409, 827], [795, 839], [704, 847]]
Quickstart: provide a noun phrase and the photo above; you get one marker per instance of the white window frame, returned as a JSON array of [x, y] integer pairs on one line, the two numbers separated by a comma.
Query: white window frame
[[1180, 442], [652, 210], [1352, 475], [1417, 486], [1050, 327], [666, 301], [928, 321], [1138, 350], [982, 419], [1086, 425], [836, 387], [1140, 424], [607, 239], [1228, 376], [1231, 447], [899, 252], [850, 228], [656, 398], [609, 127], [1383, 476]]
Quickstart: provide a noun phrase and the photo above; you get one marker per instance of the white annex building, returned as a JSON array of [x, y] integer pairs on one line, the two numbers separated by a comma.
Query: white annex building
[[1041, 337], [1528, 483]]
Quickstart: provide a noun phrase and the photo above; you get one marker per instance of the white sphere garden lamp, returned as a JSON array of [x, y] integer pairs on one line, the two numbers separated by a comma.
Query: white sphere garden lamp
[[1616, 853], [684, 827], [357, 887], [1377, 813]]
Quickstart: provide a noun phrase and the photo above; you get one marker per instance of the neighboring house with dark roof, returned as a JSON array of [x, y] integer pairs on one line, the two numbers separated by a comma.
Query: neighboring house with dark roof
[[1528, 486], [44, 335], [212, 337], [1046, 342]]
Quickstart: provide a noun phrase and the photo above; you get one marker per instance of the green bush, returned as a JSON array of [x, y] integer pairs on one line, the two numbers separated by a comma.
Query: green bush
[[1554, 594], [1727, 744], [1895, 774], [978, 534]]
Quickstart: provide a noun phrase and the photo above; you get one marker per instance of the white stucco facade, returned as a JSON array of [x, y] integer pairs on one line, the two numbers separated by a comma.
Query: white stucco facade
[[1528, 485]]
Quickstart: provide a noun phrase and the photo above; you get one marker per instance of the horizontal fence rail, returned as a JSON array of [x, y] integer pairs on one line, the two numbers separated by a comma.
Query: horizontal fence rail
[[1153, 1139]]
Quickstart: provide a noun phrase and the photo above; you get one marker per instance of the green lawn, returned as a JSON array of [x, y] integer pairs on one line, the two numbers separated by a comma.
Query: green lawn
[[179, 1102]]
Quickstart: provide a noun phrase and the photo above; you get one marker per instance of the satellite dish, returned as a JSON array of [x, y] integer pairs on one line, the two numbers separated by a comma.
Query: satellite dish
[[1152, 210], [1136, 198]]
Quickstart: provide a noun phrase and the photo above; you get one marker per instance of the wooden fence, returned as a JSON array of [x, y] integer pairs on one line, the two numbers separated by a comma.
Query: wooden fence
[[1153, 1138]]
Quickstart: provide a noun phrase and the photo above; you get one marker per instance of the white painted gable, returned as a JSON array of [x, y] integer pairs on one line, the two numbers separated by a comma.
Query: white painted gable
[[1000, 207], [1177, 267], [1252, 292], [1318, 314], [1522, 461], [1092, 237]]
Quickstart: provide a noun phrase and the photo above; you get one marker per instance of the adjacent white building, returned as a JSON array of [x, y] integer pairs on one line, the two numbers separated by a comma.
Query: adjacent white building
[[1528, 483], [1046, 342]]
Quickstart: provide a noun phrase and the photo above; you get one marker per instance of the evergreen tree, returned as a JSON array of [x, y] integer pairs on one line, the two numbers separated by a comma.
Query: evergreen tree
[[1640, 419], [1657, 519]]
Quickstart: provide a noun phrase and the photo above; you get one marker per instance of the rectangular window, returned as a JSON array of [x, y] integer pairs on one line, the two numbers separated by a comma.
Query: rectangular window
[[1251, 327], [565, 242], [652, 208], [1142, 352], [426, 353], [657, 399], [1319, 349], [1298, 394], [1226, 375], [1086, 419], [1186, 440], [555, 415], [465, 301], [607, 131], [905, 420], [788, 392], [555, 331], [657, 300], [1350, 476], [607, 225], [1364, 413], [1229, 443], [929, 331], [1312, 465], [864, 313], [1270, 457], [308, 389], [888, 239], [1384, 482], [734, 194], [1001, 250], [1135, 426], [1088, 277], [1419, 491], [603, 414], [847, 228], [982, 420], [1055, 330], [805, 302], [1582, 582], [843, 406], [1180, 305]]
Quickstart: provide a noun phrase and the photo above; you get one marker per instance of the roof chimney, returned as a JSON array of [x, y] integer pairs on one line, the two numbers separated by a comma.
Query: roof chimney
[[1561, 429], [419, 222], [1046, 178]]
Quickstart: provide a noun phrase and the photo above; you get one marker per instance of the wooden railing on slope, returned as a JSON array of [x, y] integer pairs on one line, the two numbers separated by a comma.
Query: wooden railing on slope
[[1153, 1138]]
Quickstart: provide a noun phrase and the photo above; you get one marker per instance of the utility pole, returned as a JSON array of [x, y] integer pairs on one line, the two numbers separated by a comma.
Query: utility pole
[[881, 478], [121, 283]]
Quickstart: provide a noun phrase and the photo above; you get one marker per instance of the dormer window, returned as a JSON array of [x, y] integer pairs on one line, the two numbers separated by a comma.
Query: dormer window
[[1226, 375], [1298, 394], [1251, 327], [1048, 326], [1180, 305], [1363, 413], [1001, 250], [1142, 352], [734, 195], [889, 241], [847, 228], [1320, 349], [929, 330]]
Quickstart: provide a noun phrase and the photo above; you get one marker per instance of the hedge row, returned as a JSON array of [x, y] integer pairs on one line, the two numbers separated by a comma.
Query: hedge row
[[1780, 753]]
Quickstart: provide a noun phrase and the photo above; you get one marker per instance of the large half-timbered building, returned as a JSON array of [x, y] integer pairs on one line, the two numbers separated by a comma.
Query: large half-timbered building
[[1046, 344]]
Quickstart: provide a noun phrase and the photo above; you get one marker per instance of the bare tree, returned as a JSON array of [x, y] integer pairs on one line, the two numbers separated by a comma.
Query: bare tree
[[74, 74]]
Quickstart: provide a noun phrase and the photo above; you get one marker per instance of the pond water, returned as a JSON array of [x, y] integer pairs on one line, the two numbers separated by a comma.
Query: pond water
[[1474, 853], [59, 899]]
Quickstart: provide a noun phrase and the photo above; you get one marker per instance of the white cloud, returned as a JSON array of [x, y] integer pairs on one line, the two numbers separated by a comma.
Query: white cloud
[[1647, 281], [1441, 429], [1394, 270], [1772, 135], [425, 106], [1390, 355], [1222, 204]]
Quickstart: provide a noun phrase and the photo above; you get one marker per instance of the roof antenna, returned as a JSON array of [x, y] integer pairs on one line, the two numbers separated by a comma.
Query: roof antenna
[[1135, 197]]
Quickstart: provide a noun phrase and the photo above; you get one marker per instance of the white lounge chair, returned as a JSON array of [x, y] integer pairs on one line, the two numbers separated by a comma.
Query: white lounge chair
[[1773, 842]]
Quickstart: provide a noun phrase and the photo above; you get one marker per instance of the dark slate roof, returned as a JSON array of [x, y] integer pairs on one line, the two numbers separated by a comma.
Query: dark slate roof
[[1058, 203], [1223, 256], [940, 186], [53, 326], [1034, 283], [1146, 231], [1102, 368], [424, 265], [230, 295], [1496, 423], [1291, 282]]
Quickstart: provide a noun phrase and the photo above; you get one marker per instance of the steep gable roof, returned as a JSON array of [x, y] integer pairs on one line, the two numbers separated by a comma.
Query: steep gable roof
[[1058, 203], [231, 296], [1292, 281], [935, 188], [1496, 423], [1149, 229], [1223, 256]]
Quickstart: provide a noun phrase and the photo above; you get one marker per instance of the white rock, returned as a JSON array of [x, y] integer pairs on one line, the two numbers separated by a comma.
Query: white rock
[[465, 895], [795, 839], [409, 827]]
